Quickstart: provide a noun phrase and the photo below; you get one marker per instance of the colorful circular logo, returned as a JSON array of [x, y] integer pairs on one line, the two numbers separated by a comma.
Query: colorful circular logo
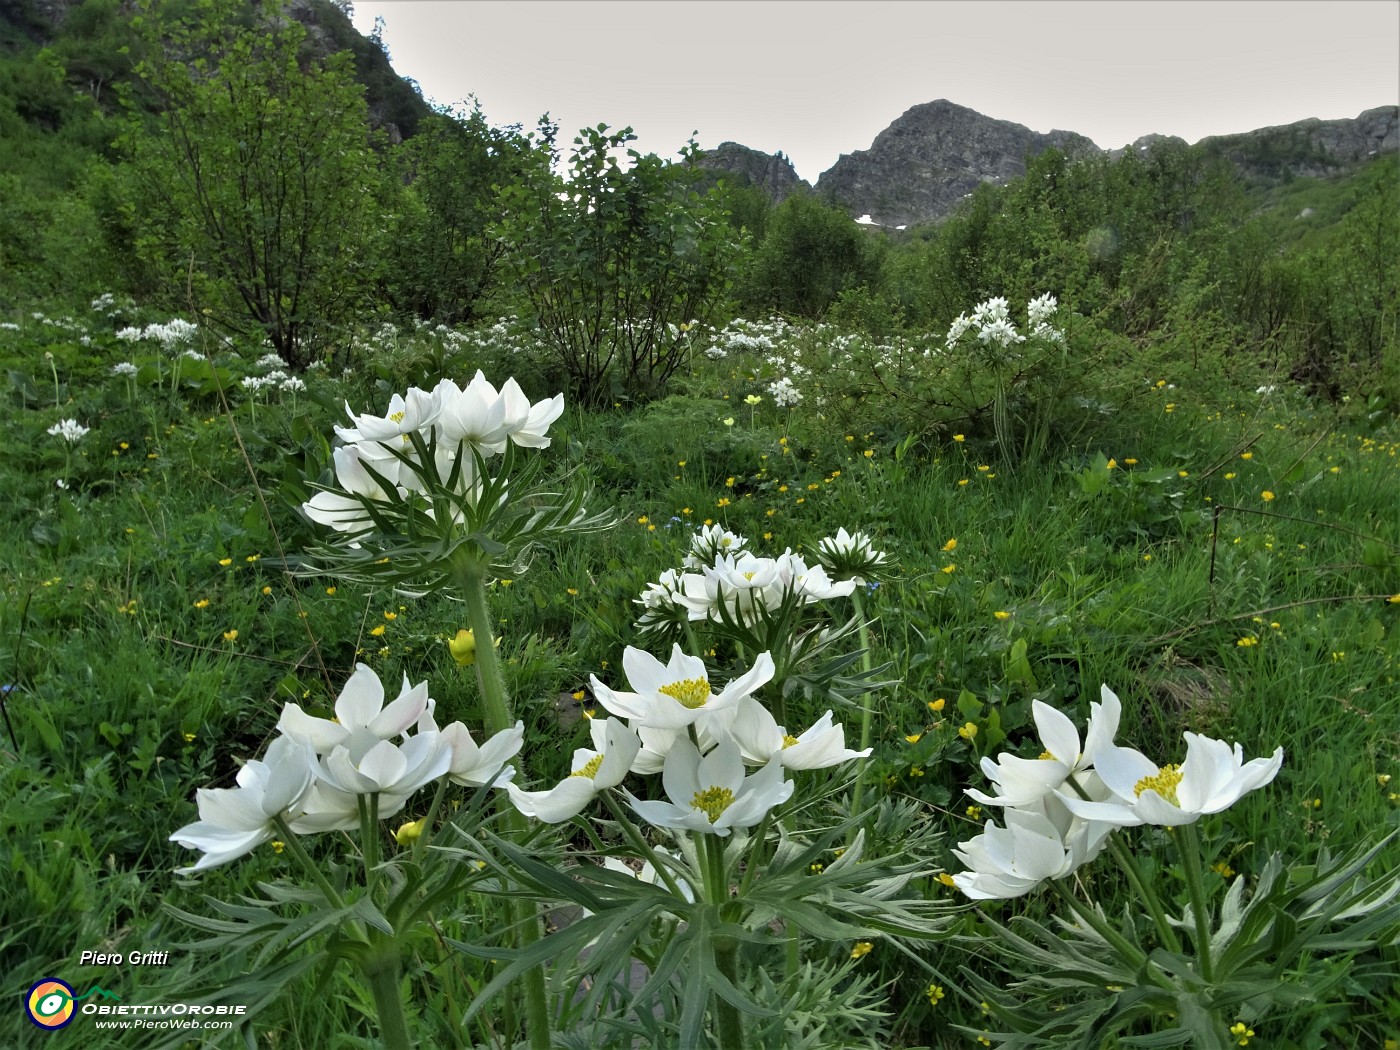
[[50, 1003]]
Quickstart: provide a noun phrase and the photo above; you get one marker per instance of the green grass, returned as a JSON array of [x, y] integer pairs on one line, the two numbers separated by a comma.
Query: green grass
[[1267, 624]]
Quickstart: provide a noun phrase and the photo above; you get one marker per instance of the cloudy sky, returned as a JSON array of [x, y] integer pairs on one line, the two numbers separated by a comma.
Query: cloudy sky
[[818, 78]]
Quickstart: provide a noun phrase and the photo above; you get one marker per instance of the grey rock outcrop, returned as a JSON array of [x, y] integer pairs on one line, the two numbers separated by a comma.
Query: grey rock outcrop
[[932, 156], [771, 172], [1310, 148]]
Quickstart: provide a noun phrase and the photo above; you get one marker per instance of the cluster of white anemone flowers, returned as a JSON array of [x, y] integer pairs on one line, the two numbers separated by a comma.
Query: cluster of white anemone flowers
[[1060, 808], [378, 453], [701, 740], [994, 327], [728, 580], [315, 772], [70, 430], [175, 333]]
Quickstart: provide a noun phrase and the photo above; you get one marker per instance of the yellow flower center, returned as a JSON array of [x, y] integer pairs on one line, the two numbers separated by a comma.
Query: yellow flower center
[[713, 801], [690, 692], [1164, 783], [1047, 755], [397, 417], [789, 740], [589, 769]]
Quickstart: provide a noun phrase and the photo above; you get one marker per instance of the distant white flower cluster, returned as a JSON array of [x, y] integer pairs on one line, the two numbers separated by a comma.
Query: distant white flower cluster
[[171, 335], [70, 430], [992, 321]]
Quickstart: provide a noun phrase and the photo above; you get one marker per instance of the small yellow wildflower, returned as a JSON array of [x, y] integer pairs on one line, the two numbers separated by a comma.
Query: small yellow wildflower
[[572, 592], [1266, 496], [189, 738], [411, 832], [1183, 473], [1223, 869], [946, 879], [1242, 1033], [1247, 641], [330, 590], [959, 438], [203, 603], [937, 705], [861, 949], [1112, 464], [377, 631], [1002, 614], [950, 568], [1130, 461], [1229, 475], [225, 562], [723, 501], [968, 731], [914, 738], [391, 616], [278, 845], [935, 994], [231, 635], [1246, 455], [267, 589], [963, 481], [950, 546], [974, 812]]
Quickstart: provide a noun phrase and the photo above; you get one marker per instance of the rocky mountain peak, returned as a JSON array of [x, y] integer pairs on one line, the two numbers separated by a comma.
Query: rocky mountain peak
[[932, 156]]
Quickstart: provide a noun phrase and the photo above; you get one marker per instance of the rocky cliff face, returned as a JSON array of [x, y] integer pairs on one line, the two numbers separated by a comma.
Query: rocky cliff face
[[919, 167], [1310, 148], [771, 172]]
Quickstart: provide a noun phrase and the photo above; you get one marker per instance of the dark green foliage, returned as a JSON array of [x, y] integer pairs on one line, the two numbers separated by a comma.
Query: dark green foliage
[[440, 258], [811, 252], [613, 260], [253, 199]]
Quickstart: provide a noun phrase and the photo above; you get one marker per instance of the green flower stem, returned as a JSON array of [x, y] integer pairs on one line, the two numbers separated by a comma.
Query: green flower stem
[[729, 1025], [369, 838], [641, 846], [427, 833], [1127, 950], [1188, 844], [692, 641], [496, 714], [293, 845], [1128, 863], [382, 974], [865, 704]]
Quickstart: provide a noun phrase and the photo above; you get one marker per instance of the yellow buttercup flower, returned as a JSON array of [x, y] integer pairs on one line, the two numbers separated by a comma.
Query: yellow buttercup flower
[[861, 949], [409, 833]]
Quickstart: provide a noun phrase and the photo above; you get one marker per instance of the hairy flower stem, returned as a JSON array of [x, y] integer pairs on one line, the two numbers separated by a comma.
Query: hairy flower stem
[[422, 841], [382, 974], [641, 846], [1188, 844], [1128, 863], [295, 848], [729, 1025], [865, 703], [496, 714]]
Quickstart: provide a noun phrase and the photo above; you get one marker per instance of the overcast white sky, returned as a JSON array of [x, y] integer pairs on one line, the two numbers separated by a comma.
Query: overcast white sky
[[818, 78]]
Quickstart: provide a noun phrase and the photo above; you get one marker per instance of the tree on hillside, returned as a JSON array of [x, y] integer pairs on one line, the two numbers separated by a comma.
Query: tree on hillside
[[441, 257], [613, 260], [252, 197], [811, 252]]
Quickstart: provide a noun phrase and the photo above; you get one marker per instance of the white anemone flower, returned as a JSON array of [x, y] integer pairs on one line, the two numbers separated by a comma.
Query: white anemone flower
[[474, 765], [346, 513], [362, 719], [475, 416], [387, 768], [415, 411], [850, 556], [593, 771], [1038, 843], [70, 430], [711, 794], [647, 873], [676, 694], [710, 543], [526, 423], [1020, 781], [810, 583], [1213, 778], [235, 821], [760, 738]]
